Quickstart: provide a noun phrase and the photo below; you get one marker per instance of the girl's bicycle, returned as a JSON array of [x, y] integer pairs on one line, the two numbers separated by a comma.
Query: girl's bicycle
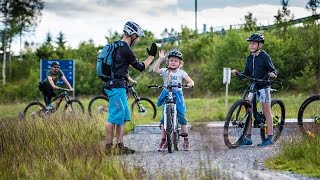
[[239, 115], [309, 116], [37, 110], [142, 108], [171, 125]]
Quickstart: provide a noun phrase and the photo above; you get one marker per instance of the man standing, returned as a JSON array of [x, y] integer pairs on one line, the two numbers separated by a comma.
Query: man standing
[[115, 88]]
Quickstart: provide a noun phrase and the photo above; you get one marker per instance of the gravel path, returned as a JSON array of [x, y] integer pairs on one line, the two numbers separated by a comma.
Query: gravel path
[[208, 158]]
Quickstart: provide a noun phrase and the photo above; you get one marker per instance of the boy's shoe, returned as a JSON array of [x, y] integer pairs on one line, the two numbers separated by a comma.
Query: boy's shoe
[[246, 141], [121, 149], [186, 145], [108, 148], [266, 142], [163, 145]]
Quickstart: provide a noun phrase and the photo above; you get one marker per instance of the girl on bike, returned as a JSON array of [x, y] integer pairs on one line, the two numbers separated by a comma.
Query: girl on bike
[[173, 75]]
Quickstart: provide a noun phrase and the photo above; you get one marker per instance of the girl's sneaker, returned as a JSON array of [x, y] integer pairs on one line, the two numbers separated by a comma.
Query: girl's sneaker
[[163, 145]]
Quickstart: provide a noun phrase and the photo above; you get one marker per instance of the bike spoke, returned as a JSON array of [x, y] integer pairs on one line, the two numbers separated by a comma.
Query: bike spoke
[[35, 111], [142, 112], [235, 125], [74, 108]]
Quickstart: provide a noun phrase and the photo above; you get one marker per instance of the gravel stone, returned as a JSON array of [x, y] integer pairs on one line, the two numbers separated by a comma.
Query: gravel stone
[[208, 158]]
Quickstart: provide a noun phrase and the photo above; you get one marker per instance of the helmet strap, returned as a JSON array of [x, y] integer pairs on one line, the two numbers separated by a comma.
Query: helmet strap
[[173, 68], [255, 52], [132, 39]]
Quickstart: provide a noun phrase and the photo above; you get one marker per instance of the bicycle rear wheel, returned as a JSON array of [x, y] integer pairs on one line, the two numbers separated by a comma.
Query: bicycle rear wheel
[[34, 110], [236, 123], [278, 116], [309, 116], [142, 111], [73, 108], [98, 107], [169, 130]]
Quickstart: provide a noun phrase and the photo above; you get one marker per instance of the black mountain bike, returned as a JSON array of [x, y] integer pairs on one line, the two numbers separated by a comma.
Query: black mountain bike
[[238, 117], [37, 110], [309, 116], [170, 121], [141, 108]]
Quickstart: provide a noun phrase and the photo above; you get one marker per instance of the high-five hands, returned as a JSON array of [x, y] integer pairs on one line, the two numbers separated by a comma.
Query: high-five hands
[[153, 50], [161, 54]]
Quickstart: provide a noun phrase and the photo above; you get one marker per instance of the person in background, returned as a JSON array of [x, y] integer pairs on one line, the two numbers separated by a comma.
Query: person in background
[[49, 84]]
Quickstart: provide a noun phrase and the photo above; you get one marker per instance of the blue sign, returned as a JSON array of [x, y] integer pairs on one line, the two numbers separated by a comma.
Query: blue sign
[[66, 66]]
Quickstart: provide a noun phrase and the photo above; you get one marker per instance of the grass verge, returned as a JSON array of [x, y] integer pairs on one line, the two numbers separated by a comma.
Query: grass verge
[[298, 155]]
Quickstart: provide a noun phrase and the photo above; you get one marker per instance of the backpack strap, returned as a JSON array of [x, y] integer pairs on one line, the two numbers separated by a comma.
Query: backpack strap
[[117, 45]]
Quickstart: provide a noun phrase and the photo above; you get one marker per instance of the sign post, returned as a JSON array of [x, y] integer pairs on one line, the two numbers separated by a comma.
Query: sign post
[[226, 81], [66, 66]]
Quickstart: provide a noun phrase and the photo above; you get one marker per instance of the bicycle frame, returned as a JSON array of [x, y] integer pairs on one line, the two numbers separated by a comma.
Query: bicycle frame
[[59, 98], [170, 101], [136, 97], [259, 119]]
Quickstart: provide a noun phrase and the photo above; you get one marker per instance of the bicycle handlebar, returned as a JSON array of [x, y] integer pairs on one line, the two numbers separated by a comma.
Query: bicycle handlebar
[[168, 86], [64, 89], [259, 80]]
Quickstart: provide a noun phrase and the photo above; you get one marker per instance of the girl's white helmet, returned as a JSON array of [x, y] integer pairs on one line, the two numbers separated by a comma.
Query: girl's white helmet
[[131, 28]]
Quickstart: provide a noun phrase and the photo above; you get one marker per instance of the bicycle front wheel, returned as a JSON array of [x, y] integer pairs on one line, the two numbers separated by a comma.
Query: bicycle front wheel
[[73, 108], [236, 123], [98, 107], [34, 110], [143, 110], [278, 116], [169, 131], [309, 116]]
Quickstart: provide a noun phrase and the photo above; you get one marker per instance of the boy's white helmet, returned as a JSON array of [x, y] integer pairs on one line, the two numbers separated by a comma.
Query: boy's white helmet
[[131, 28]]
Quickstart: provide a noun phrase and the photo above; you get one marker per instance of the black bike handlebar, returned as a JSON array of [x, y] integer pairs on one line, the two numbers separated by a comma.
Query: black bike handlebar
[[169, 86], [64, 89], [259, 80]]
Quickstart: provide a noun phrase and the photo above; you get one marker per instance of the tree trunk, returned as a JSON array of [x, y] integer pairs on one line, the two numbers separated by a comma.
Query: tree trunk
[[4, 65]]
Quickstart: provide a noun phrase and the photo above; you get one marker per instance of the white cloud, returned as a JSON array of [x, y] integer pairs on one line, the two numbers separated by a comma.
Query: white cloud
[[87, 20]]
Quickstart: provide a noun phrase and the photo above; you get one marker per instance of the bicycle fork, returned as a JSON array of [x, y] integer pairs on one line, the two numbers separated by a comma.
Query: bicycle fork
[[174, 113], [174, 119]]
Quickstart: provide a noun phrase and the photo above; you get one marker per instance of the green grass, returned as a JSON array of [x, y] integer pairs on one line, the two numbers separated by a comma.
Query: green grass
[[298, 155], [57, 149], [198, 109], [73, 148]]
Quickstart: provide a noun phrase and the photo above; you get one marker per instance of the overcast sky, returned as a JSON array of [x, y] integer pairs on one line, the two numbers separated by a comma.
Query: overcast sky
[[81, 20]]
